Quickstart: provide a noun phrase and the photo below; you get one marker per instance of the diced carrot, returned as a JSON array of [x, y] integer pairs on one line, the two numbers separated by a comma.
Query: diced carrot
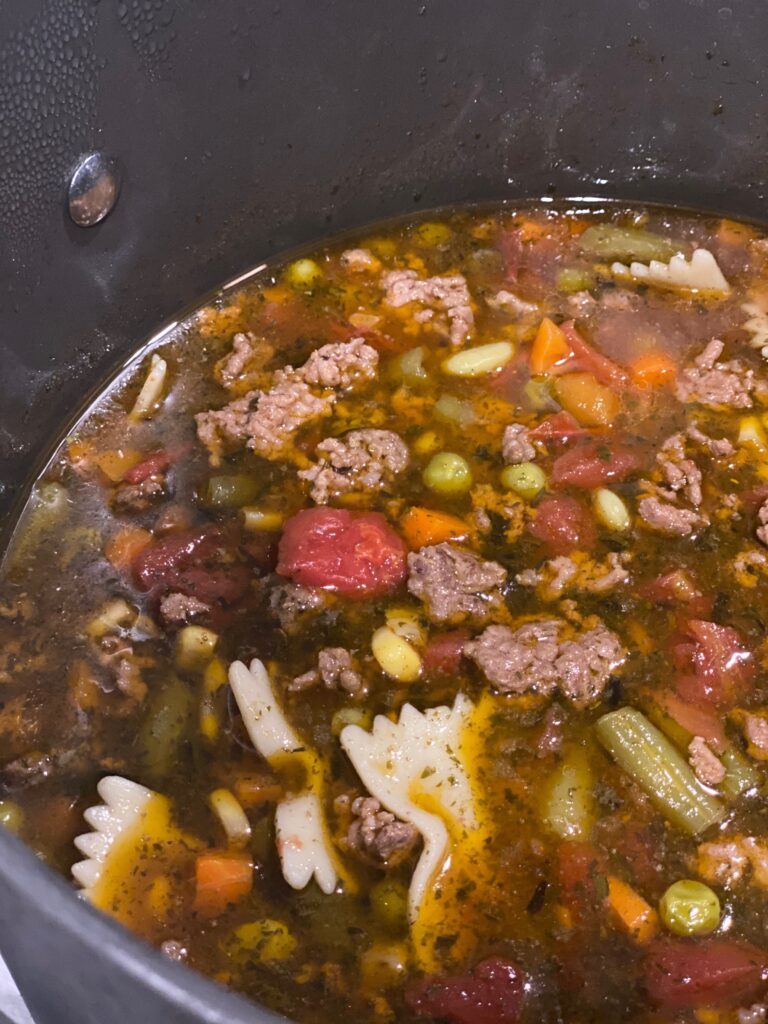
[[254, 790], [221, 879], [550, 346], [122, 549], [114, 464], [733, 233], [423, 526], [635, 915], [653, 369], [531, 230]]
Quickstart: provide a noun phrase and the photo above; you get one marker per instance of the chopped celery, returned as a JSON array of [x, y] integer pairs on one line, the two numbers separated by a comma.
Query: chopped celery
[[231, 491], [524, 478], [11, 816], [611, 242], [454, 411], [648, 757], [574, 279], [389, 903], [538, 394], [568, 805]]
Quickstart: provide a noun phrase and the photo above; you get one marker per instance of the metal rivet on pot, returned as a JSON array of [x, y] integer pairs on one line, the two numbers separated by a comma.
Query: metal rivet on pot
[[93, 189]]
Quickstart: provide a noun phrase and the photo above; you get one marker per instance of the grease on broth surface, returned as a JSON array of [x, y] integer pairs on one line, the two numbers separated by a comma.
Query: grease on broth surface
[[479, 507]]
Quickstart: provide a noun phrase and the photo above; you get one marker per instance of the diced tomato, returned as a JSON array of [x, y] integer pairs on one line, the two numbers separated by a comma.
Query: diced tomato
[[559, 427], [681, 974], [550, 738], [492, 994], [200, 563], [157, 462], [589, 360], [443, 653], [564, 525], [678, 587], [593, 463], [754, 497], [354, 553], [697, 719], [714, 662], [578, 867]]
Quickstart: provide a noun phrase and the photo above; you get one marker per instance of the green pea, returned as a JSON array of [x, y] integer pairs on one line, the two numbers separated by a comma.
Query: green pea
[[389, 902], [525, 479], [11, 816], [690, 908], [448, 473]]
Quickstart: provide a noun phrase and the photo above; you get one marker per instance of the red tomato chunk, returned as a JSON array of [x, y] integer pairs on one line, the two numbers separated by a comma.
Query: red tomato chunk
[[714, 662], [563, 525], [559, 427], [157, 462], [199, 563], [681, 974], [492, 994], [594, 463], [354, 553], [443, 653]]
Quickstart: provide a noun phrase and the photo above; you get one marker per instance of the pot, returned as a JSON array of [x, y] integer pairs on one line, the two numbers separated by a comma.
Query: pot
[[237, 130]]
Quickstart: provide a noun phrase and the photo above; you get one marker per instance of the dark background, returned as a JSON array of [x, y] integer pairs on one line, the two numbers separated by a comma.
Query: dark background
[[244, 128]]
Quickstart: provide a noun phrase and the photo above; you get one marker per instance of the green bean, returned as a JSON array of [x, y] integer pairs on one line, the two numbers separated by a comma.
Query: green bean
[[448, 473], [611, 242], [163, 729], [648, 757], [454, 411], [568, 808], [740, 774], [690, 908], [231, 491]]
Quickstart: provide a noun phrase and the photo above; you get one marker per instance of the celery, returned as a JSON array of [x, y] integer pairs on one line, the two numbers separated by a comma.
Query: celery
[[611, 242], [454, 411], [648, 757], [231, 491], [740, 774]]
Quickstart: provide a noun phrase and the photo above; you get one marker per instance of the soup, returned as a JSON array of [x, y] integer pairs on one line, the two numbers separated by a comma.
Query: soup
[[389, 642]]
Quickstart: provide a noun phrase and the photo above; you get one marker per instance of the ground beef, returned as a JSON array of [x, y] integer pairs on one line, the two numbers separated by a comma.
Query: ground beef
[[289, 602], [717, 446], [249, 353], [264, 421], [340, 365], [755, 1014], [177, 608], [533, 659], [359, 260], [140, 497], [363, 460], [507, 302], [681, 474], [755, 729], [666, 518], [726, 862], [378, 836], [706, 766], [447, 294], [762, 518], [515, 445], [559, 574], [711, 383], [335, 670], [454, 583], [585, 665], [518, 661]]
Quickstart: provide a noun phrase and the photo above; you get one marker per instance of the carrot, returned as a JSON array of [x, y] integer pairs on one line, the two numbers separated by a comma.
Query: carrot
[[733, 233], [531, 230], [550, 346], [635, 915], [114, 464], [653, 369], [423, 526], [220, 880], [589, 402], [125, 545], [254, 790]]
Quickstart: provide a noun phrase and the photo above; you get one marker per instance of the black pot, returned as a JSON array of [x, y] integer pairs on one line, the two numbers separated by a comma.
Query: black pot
[[243, 127]]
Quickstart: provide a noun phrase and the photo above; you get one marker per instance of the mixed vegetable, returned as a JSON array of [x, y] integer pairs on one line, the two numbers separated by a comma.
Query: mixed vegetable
[[391, 643]]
